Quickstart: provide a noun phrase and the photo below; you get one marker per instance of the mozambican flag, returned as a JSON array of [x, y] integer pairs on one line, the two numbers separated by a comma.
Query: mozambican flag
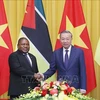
[[35, 29]]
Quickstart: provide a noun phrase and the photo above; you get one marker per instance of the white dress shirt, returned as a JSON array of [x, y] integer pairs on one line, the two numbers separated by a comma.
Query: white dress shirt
[[64, 52], [29, 59]]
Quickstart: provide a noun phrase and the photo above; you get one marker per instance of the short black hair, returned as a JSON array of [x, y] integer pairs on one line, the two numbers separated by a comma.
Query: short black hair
[[20, 39]]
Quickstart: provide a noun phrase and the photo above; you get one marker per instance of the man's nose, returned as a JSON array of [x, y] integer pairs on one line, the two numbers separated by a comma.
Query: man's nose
[[65, 40], [25, 45]]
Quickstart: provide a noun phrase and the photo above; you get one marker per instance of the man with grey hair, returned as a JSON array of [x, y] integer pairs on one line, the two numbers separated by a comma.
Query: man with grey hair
[[69, 63]]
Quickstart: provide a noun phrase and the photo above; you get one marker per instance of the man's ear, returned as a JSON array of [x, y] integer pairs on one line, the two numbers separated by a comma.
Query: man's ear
[[17, 45]]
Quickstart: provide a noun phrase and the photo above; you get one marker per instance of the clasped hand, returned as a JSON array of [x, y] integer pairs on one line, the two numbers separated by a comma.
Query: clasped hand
[[39, 76]]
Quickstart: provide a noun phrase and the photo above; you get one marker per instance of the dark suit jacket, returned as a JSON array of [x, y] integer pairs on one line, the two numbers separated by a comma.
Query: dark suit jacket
[[21, 73], [75, 74]]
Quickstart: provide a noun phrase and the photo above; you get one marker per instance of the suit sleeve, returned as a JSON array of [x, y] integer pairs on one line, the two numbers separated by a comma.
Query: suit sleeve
[[82, 71], [16, 68], [35, 64], [52, 68]]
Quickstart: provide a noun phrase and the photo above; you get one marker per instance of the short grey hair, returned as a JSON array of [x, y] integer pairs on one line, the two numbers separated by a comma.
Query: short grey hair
[[66, 31]]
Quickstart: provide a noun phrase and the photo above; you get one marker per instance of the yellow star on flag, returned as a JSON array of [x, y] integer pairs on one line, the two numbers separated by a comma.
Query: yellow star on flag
[[76, 32], [2, 29]]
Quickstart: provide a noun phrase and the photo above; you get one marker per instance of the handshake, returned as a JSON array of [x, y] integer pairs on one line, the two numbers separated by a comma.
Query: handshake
[[39, 76]]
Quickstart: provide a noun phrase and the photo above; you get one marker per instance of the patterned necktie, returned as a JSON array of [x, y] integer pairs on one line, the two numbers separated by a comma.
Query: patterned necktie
[[25, 54], [66, 59]]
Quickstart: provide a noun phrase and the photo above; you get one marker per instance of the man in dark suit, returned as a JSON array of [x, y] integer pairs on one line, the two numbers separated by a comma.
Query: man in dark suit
[[70, 65], [23, 69]]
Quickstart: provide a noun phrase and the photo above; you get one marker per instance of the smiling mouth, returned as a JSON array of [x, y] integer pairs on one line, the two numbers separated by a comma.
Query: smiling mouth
[[25, 49], [66, 44]]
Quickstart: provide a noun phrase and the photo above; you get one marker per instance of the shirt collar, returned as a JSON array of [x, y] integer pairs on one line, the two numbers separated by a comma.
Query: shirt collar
[[69, 49]]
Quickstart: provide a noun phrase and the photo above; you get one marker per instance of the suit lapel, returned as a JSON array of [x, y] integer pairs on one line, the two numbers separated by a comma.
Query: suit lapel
[[24, 60], [71, 58], [32, 59], [61, 57]]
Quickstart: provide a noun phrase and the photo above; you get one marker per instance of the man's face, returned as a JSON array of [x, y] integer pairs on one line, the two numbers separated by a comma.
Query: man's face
[[24, 45], [66, 40]]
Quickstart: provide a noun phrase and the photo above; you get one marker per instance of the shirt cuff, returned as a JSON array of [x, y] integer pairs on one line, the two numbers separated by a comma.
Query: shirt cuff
[[83, 91]]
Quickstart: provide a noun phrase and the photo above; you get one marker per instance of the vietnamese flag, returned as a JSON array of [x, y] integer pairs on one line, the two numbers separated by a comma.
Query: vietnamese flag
[[73, 20], [5, 50]]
